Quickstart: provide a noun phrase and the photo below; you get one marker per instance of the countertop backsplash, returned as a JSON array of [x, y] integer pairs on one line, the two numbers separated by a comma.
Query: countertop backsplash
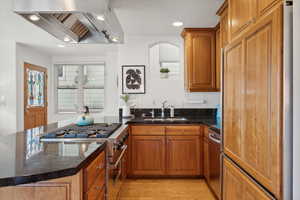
[[179, 112]]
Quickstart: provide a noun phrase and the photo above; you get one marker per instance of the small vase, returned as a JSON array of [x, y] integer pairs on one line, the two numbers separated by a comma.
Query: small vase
[[126, 111], [164, 75]]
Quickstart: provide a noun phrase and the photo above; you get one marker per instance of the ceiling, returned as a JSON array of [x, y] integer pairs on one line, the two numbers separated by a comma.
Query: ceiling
[[137, 17], [74, 50], [155, 17]]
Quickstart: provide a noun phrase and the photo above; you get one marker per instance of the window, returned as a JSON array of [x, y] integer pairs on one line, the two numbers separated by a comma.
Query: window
[[173, 66], [169, 58], [166, 55], [79, 85]]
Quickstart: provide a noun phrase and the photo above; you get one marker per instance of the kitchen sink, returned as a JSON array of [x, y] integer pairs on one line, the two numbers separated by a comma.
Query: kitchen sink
[[166, 119]]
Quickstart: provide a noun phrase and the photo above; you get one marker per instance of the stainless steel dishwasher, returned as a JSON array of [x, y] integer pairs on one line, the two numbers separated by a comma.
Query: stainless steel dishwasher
[[214, 155]]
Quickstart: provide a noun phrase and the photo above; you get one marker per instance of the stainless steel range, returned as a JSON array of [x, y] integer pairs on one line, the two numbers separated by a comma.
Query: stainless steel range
[[74, 132], [111, 132], [115, 134]]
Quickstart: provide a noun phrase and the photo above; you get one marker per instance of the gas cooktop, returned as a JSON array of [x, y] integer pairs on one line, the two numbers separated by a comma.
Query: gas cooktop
[[98, 130]]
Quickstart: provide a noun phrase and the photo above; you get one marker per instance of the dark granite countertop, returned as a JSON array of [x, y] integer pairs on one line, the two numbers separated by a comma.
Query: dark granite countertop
[[25, 159], [193, 116]]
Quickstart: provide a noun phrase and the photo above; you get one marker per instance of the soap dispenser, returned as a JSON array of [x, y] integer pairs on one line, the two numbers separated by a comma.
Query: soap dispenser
[[172, 111]]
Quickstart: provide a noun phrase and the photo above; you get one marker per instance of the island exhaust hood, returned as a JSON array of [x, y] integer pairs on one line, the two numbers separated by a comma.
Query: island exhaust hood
[[73, 21]]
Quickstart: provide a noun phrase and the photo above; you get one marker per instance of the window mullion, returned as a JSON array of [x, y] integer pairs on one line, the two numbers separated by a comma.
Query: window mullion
[[80, 87]]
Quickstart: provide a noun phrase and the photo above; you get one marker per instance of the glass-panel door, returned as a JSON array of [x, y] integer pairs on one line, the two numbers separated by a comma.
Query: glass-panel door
[[35, 96]]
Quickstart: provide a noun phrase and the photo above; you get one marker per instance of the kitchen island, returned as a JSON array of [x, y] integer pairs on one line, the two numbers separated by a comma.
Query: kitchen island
[[31, 169]]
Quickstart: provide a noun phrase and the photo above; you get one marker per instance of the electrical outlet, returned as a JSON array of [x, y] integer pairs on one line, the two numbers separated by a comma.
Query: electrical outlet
[[2, 100]]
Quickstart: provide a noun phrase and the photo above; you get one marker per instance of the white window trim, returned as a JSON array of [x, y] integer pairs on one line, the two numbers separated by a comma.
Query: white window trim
[[55, 78]]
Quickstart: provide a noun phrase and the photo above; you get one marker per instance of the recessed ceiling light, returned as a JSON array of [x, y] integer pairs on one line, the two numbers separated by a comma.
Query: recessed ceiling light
[[34, 18], [177, 24], [67, 39], [101, 17], [115, 39], [61, 45]]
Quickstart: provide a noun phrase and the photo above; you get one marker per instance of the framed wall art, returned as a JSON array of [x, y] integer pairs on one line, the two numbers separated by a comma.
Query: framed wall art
[[133, 79]]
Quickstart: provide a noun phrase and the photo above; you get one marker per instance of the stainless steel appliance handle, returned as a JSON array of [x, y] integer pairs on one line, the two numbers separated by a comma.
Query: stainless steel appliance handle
[[124, 148], [214, 139]]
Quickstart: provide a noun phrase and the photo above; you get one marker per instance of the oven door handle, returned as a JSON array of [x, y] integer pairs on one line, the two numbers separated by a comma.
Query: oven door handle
[[124, 148], [214, 139]]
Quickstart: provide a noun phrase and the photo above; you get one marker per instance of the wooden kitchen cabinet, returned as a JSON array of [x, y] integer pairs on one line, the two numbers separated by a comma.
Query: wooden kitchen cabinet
[[148, 130], [233, 81], [237, 185], [241, 13], [183, 130], [97, 189], [218, 57], [184, 155], [148, 155], [200, 59], [67, 188], [223, 13], [177, 151], [92, 172], [265, 5], [252, 101]]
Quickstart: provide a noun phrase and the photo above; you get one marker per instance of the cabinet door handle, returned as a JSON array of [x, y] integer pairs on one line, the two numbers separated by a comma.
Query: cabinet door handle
[[214, 139]]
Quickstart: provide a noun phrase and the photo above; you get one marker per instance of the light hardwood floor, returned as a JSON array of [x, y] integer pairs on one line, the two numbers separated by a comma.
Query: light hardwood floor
[[165, 189]]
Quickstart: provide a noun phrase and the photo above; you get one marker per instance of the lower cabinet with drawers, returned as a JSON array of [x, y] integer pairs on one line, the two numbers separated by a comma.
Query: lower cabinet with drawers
[[94, 177], [166, 150]]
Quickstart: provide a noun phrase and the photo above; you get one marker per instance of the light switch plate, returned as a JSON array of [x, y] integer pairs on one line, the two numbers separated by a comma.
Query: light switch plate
[[2, 100]]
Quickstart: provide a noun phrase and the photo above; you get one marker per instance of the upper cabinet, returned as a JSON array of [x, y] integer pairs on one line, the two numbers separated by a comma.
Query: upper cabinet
[[200, 59], [241, 14], [218, 57], [223, 13], [264, 5], [237, 15]]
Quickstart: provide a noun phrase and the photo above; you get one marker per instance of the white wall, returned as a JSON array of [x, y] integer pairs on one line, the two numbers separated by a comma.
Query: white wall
[[8, 110], [14, 29], [296, 109], [25, 54], [135, 51]]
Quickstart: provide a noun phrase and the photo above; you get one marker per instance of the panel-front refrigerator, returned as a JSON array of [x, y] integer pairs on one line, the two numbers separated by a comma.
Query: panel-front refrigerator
[[257, 110]]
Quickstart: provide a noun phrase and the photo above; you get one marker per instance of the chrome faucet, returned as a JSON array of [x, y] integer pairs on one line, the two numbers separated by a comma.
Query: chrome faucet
[[163, 109], [152, 113]]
